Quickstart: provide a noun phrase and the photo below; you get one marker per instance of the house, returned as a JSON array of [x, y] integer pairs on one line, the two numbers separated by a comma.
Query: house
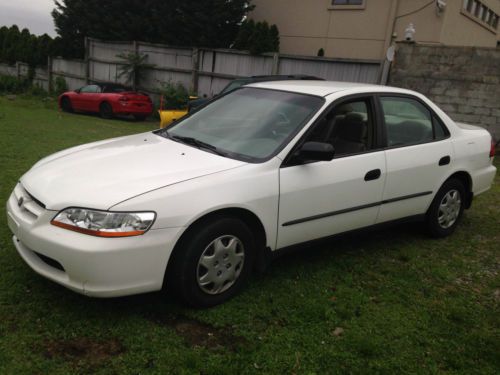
[[364, 29]]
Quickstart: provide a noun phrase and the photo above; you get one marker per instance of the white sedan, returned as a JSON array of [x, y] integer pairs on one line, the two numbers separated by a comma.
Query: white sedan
[[197, 206]]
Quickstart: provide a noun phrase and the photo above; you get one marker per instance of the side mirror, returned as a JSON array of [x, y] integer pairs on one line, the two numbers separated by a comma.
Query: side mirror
[[316, 151], [77, 90]]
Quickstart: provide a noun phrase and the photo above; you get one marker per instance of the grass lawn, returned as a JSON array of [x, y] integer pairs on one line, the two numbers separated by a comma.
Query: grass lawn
[[392, 301]]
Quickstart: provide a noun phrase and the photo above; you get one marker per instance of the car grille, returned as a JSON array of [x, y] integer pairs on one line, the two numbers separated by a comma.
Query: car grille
[[30, 207]]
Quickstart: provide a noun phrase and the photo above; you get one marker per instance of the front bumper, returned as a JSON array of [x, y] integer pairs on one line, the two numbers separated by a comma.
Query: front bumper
[[94, 266]]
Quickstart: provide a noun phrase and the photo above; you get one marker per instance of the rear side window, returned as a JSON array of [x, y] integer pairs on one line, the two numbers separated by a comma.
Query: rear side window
[[407, 121]]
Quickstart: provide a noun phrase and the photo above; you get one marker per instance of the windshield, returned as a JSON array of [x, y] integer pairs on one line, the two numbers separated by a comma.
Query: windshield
[[248, 123]]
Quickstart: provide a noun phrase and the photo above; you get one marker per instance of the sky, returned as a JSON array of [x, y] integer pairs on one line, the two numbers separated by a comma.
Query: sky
[[32, 14]]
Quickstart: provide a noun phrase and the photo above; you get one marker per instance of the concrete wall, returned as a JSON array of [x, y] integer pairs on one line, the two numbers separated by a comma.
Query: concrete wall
[[463, 81]]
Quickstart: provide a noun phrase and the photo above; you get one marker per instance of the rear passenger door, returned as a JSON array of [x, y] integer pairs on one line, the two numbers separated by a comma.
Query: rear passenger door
[[418, 155]]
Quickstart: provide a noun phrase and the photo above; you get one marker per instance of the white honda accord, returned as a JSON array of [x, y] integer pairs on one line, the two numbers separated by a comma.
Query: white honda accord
[[198, 205]]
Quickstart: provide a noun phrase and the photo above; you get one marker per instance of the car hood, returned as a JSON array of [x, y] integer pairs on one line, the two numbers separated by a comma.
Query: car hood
[[101, 174]]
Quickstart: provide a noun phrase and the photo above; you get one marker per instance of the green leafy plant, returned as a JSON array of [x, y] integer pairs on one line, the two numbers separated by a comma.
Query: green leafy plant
[[133, 67], [60, 86], [175, 95], [13, 85]]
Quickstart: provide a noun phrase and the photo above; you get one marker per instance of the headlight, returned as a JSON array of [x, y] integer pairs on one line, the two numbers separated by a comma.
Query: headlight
[[104, 223]]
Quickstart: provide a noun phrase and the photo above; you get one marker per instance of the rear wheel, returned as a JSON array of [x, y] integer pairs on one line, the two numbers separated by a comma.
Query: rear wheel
[[213, 262], [140, 117], [446, 209], [66, 105], [106, 110]]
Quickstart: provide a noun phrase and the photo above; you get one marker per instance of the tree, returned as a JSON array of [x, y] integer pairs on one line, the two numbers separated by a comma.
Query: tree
[[206, 23], [133, 67], [23, 46], [257, 37]]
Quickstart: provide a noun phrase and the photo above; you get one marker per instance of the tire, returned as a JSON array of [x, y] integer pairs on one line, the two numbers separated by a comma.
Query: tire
[[66, 105], [213, 262], [446, 209], [140, 117], [106, 110]]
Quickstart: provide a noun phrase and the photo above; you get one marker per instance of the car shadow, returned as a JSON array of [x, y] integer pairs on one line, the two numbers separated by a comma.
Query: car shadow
[[129, 118], [161, 305]]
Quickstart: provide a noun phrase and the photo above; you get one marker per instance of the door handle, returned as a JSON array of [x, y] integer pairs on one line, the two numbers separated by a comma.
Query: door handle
[[372, 175], [445, 160]]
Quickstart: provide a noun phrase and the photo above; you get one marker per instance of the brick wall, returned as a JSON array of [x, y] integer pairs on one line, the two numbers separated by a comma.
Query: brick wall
[[463, 81]]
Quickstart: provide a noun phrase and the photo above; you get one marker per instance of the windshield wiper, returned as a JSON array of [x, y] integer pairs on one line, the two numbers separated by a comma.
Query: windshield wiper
[[195, 142]]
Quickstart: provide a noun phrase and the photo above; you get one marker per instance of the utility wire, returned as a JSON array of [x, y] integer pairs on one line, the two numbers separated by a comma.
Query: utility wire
[[417, 10]]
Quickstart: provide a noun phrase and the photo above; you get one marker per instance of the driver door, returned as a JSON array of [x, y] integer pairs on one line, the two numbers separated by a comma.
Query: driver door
[[319, 199], [83, 100]]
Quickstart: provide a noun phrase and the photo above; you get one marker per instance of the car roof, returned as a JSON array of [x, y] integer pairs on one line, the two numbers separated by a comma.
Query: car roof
[[325, 88]]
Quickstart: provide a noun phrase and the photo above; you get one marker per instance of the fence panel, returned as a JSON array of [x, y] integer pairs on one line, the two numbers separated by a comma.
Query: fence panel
[[331, 70], [73, 71], [41, 78], [235, 63], [108, 50], [154, 78], [216, 68], [166, 57], [9, 70]]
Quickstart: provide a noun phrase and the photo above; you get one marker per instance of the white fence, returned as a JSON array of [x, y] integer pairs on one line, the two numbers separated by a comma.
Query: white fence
[[205, 71], [20, 69]]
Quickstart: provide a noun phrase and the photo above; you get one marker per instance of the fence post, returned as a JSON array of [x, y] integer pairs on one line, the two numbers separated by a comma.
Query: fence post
[[135, 79], [276, 63], [196, 68], [49, 74], [87, 60]]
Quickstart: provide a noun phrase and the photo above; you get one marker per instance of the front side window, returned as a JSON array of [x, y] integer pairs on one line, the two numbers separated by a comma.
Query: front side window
[[348, 127], [407, 121], [90, 89], [248, 123]]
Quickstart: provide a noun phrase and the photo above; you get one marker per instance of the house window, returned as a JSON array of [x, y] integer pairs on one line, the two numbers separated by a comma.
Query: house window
[[479, 12], [347, 2]]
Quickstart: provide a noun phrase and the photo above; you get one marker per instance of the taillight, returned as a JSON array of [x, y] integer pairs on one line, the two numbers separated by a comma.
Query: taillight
[[492, 149]]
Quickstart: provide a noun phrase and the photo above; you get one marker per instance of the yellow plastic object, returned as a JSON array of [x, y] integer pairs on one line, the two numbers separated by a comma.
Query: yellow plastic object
[[167, 116]]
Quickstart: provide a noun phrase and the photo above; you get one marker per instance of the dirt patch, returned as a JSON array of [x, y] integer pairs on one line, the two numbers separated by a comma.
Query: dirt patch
[[88, 350], [198, 334]]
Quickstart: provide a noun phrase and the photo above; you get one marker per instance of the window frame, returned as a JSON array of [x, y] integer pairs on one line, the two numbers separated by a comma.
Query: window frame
[[334, 6], [435, 119], [480, 13], [377, 141]]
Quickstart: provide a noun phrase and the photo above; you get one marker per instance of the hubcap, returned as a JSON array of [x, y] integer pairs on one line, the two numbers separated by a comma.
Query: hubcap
[[220, 264], [449, 209]]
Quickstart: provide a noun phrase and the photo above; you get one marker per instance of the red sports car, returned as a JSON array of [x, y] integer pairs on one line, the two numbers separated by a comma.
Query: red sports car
[[108, 99]]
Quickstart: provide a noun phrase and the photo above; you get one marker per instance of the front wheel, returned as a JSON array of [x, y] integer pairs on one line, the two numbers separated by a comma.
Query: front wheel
[[446, 209], [213, 262]]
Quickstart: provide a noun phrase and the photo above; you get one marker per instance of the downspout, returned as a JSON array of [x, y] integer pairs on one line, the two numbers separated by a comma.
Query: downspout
[[389, 32]]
